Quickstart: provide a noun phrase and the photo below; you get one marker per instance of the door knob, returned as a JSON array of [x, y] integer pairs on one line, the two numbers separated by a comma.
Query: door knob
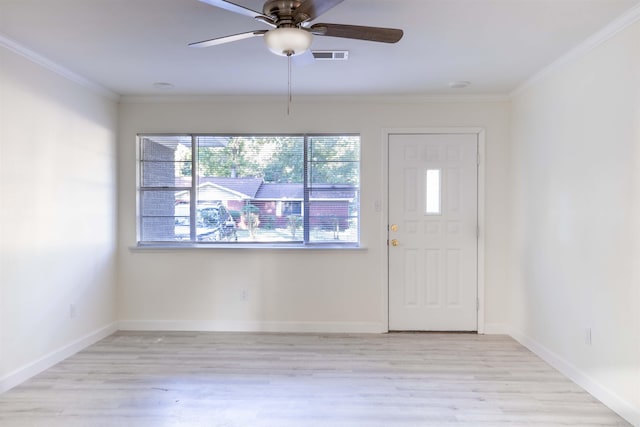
[[394, 242], [394, 227]]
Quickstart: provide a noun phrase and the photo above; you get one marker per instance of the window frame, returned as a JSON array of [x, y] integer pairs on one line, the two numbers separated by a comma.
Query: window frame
[[193, 242]]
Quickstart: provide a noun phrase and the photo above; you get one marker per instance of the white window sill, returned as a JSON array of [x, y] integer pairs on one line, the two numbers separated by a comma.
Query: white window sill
[[253, 246]]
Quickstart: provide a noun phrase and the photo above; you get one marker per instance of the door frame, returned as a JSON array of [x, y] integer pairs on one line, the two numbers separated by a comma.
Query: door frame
[[480, 133]]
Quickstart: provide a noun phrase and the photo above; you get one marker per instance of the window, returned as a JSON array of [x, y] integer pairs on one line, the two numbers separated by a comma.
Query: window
[[249, 189], [434, 190]]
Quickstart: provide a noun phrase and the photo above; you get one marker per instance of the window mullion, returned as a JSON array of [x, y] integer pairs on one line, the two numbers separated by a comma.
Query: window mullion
[[193, 191], [140, 153], [305, 180]]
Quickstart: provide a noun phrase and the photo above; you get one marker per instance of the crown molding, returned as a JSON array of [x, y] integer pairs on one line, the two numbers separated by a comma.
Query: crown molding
[[311, 99], [623, 22], [50, 65]]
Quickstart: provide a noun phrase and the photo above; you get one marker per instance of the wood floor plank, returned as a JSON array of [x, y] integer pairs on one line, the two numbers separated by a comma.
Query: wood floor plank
[[158, 379]]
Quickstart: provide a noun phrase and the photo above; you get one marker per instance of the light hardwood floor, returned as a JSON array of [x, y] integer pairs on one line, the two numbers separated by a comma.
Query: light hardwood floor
[[160, 379]]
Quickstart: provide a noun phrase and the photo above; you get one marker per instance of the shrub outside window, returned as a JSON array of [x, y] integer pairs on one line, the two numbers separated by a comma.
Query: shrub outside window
[[248, 189]]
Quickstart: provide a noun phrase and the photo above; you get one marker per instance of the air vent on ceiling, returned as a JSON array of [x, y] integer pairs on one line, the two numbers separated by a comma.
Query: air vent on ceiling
[[331, 55]]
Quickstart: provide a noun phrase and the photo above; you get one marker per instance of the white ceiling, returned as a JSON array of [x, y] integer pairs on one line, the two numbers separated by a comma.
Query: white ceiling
[[127, 45]]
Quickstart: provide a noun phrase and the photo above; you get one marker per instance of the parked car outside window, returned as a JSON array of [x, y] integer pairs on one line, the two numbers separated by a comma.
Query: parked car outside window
[[213, 222]]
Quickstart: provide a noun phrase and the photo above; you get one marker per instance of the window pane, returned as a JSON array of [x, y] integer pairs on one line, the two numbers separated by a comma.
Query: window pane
[[333, 221], [334, 178], [334, 160], [433, 192], [250, 177], [164, 216], [166, 161]]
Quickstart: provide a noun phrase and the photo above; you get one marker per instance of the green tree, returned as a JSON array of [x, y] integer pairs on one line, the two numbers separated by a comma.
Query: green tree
[[274, 158], [286, 163], [334, 160], [233, 159], [183, 155], [279, 159]]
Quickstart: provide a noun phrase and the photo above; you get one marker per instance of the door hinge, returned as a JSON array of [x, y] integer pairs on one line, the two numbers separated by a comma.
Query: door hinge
[[478, 159], [477, 304], [477, 231]]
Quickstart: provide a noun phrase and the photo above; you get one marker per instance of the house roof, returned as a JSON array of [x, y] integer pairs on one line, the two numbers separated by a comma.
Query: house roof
[[256, 188], [280, 191], [245, 186]]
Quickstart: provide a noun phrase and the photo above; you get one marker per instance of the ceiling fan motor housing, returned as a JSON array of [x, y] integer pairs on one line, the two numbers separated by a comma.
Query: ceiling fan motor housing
[[283, 12]]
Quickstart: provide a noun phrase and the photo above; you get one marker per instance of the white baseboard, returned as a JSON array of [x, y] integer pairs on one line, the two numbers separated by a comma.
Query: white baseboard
[[248, 326], [497, 329], [25, 372], [623, 408]]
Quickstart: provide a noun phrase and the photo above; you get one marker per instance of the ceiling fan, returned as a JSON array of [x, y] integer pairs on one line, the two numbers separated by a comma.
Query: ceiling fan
[[292, 30]]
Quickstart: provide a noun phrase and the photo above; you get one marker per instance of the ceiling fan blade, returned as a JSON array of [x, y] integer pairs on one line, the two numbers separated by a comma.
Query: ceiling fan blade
[[375, 34], [232, 7], [228, 39], [311, 9]]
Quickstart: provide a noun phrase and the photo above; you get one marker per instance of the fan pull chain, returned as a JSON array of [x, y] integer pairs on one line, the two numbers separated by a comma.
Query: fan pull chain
[[289, 96]]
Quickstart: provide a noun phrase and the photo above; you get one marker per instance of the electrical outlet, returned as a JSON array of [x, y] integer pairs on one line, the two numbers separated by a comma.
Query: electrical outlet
[[244, 295], [587, 336], [72, 311]]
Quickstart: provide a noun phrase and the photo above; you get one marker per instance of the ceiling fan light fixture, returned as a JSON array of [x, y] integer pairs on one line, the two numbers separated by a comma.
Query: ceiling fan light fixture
[[288, 41]]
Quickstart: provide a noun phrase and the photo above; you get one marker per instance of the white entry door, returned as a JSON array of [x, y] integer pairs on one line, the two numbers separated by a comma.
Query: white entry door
[[433, 223]]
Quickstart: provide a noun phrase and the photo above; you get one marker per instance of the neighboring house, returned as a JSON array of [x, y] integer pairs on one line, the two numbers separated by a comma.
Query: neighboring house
[[328, 204]]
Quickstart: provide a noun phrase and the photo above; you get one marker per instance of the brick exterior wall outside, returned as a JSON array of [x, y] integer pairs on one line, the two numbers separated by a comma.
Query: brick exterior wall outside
[[158, 222]]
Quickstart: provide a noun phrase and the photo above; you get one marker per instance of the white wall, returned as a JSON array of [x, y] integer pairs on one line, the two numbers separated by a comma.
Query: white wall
[[57, 230], [561, 220], [576, 241], [342, 290]]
